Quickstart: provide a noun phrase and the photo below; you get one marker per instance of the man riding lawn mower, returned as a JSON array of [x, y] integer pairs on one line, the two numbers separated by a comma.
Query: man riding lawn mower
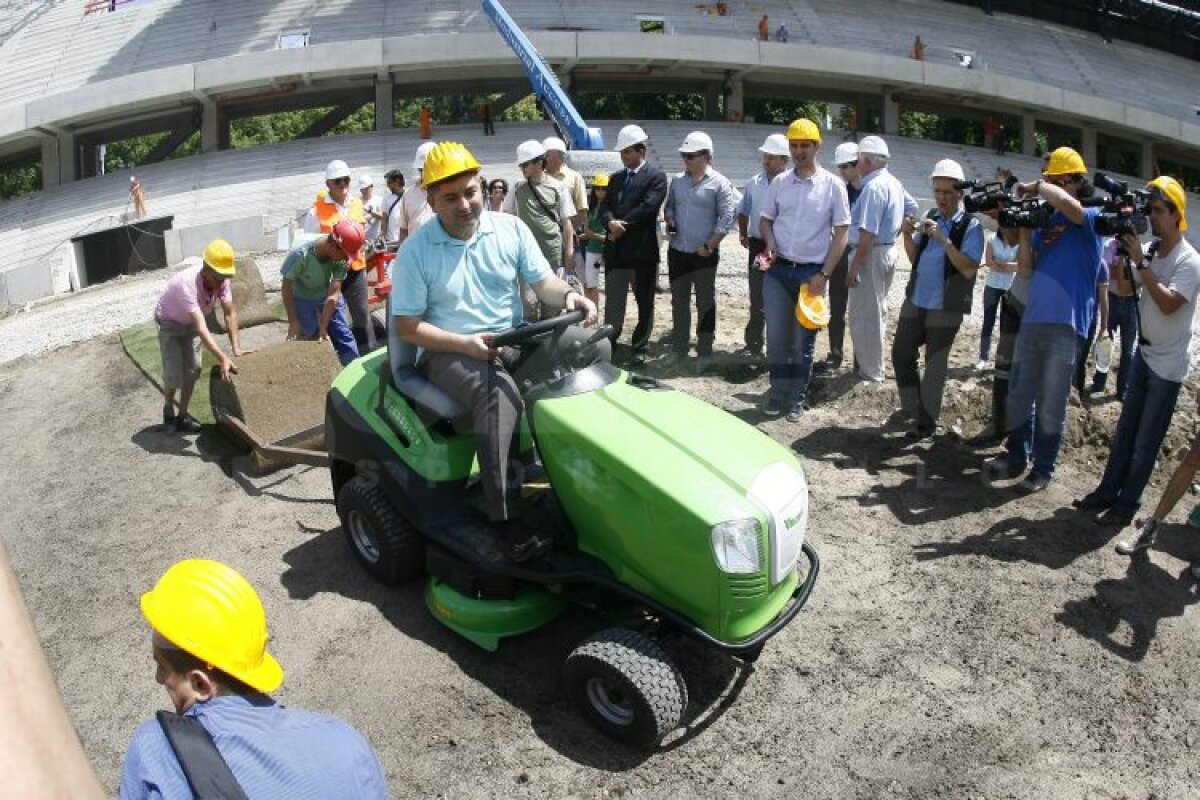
[[663, 513]]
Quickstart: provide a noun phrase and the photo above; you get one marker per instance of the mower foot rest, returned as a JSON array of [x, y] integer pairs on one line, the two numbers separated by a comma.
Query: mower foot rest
[[424, 396]]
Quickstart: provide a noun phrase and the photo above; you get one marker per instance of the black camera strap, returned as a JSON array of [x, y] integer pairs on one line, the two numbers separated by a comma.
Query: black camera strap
[[958, 289], [207, 773]]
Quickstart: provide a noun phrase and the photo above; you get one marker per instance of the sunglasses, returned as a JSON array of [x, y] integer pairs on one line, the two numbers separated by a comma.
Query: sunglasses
[[848, 165]]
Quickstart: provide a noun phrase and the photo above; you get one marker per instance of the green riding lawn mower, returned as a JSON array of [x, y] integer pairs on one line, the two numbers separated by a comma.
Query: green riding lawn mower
[[668, 517]]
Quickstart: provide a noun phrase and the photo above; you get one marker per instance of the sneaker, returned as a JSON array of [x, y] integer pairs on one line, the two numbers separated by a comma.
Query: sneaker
[[702, 365], [1114, 518], [1142, 538], [918, 434], [795, 413], [1092, 501], [771, 405], [185, 424], [900, 417], [1034, 482], [997, 468]]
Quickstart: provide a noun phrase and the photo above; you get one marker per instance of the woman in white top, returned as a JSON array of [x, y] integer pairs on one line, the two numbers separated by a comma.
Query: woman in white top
[[1000, 256]]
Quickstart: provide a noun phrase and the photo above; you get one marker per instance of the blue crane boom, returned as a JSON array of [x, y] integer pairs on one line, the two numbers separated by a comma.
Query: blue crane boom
[[545, 83]]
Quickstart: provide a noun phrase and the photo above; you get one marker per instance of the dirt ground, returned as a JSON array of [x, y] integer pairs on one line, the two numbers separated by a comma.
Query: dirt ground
[[962, 641]]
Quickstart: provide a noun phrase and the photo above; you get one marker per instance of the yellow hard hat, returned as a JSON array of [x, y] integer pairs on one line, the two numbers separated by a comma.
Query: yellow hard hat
[[1173, 192], [812, 310], [1065, 161], [804, 129], [219, 256], [447, 160], [207, 609], [600, 181]]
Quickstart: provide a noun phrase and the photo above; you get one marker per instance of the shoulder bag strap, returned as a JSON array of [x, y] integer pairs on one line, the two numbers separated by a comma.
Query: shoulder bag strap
[[205, 769]]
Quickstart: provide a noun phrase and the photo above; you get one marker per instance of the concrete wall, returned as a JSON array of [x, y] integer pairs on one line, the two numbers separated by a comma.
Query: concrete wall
[[245, 234]]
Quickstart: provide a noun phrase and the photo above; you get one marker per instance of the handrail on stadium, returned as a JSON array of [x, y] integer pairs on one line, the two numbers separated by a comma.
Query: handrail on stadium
[[98, 6]]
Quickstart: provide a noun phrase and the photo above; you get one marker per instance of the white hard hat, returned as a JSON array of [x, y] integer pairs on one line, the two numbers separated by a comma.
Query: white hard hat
[[422, 152], [336, 169], [554, 143], [364, 181], [846, 153], [775, 145], [529, 150], [629, 136], [695, 142], [874, 146], [947, 168]]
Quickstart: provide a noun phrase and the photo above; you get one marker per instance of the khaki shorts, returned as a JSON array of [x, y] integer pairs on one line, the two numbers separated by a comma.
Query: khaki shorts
[[180, 358]]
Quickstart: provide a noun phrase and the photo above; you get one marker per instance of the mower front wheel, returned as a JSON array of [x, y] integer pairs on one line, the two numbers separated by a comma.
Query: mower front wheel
[[627, 686], [385, 543]]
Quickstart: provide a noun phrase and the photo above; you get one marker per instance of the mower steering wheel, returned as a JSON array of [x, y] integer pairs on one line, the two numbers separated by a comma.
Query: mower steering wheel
[[514, 336]]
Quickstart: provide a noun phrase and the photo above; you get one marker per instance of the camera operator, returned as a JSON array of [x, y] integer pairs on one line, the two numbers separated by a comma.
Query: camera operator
[[1168, 280], [1064, 260]]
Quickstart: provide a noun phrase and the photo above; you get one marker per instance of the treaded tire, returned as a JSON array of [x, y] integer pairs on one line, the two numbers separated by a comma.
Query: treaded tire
[[385, 543], [626, 685]]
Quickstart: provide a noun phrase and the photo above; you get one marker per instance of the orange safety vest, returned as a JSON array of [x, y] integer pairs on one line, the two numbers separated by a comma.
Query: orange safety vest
[[329, 215]]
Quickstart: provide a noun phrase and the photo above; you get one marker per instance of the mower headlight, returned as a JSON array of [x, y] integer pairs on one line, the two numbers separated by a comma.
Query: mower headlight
[[737, 546]]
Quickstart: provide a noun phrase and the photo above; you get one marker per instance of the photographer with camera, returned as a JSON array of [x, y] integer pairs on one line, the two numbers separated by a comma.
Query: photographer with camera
[[1167, 278], [944, 251], [1063, 257]]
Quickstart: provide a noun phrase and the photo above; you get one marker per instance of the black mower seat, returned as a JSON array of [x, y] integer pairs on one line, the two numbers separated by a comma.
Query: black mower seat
[[431, 403]]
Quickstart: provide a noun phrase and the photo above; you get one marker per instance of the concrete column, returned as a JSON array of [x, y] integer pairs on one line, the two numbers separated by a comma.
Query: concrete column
[[68, 158], [214, 128], [383, 104], [1028, 142], [862, 110], [1087, 145], [890, 113], [1147, 164], [735, 99], [50, 163], [712, 102]]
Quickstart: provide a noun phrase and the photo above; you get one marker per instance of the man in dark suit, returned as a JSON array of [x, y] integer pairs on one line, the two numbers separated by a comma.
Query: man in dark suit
[[631, 253]]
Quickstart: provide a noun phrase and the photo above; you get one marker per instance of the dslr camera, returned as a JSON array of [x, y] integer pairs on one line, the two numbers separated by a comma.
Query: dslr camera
[[1123, 211]]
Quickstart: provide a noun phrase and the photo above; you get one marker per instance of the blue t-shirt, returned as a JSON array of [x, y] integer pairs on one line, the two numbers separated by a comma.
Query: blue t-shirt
[[468, 286], [273, 751], [1065, 274], [930, 290]]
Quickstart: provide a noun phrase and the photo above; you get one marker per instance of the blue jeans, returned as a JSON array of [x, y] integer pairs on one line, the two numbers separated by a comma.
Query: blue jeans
[[789, 344], [308, 313], [1039, 388], [1123, 320], [1145, 417], [991, 302]]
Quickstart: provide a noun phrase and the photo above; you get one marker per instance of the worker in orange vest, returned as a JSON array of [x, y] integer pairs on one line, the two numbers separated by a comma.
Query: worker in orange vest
[[333, 204]]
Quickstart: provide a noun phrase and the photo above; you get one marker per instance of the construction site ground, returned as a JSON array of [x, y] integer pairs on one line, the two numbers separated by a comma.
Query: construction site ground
[[962, 641]]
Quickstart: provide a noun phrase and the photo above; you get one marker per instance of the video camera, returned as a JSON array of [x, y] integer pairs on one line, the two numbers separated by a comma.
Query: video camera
[[1030, 212], [1123, 211]]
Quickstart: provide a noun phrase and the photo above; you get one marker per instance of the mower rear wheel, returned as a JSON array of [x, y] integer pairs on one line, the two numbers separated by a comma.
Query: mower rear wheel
[[385, 543], [627, 686]]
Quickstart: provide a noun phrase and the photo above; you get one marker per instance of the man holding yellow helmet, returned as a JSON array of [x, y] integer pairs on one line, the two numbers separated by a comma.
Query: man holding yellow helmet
[[228, 737]]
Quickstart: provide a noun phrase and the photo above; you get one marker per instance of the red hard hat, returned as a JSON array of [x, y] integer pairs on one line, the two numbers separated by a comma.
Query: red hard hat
[[349, 237]]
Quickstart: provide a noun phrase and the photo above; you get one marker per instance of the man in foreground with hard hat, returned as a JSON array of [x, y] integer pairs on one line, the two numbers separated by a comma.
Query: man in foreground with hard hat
[[804, 220], [414, 206], [631, 254], [179, 315], [313, 272], [699, 214], [455, 289], [335, 203], [1168, 279], [845, 158], [1064, 259], [944, 252], [228, 738], [876, 219], [749, 220]]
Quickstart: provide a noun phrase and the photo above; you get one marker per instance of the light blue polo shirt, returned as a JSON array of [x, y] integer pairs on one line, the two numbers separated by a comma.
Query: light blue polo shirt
[[752, 203], [931, 269], [467, 286], [880, 208]]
